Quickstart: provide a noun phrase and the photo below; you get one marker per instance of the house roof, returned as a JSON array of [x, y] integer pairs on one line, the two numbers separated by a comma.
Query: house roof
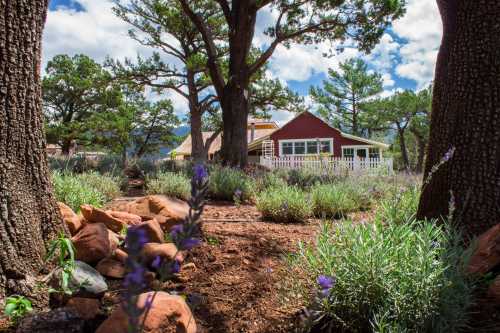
[[255, 143], [186, 147]]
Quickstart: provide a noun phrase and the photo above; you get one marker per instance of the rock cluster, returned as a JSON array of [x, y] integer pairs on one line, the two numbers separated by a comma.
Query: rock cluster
[[97, 235]]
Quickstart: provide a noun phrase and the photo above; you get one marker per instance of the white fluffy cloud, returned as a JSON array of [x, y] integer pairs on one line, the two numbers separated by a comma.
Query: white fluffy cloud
[[421, 28]]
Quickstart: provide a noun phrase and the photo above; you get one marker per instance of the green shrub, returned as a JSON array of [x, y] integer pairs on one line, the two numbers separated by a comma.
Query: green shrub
[[269, 180], [305, 178], [401, 206], [170, 184], [286, 204], [90, 188], [336, 200], [226, 183], [388, 278], [17, 307]]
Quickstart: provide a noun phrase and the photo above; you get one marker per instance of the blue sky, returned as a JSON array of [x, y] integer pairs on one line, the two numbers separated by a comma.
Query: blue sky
[[405, 55]]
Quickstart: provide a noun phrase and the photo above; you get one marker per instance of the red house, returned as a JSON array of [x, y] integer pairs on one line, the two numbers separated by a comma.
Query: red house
[[308, 135]]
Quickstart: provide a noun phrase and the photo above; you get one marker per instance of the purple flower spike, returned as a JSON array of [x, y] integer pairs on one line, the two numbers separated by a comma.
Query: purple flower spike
[[189, 243], [156, 264], [149, 302], [176, 229], [325, 282], [200, 173], [176, 267]]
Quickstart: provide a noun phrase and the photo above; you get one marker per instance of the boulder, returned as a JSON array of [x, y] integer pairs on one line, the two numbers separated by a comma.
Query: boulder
[[72, 220], [168, 313], [494, 290], [167, 211], [153, 231], [86, 308], [94, 242], [487, 253], [96, 215], [88, 280], [61, 320], [111, 268], [166, 251], [120, 255], [129, 219]]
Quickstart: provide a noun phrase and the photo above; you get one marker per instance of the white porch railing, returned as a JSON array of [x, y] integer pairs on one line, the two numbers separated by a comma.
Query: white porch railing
[[337, 165]]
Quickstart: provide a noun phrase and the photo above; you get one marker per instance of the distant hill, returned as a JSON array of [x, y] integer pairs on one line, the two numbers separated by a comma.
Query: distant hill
[[182, 130]]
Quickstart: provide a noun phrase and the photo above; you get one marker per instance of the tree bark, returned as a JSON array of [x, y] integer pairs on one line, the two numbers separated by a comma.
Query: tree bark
[[466, 116], [29, 217], [402, 147], [421, 145], [198, 152]]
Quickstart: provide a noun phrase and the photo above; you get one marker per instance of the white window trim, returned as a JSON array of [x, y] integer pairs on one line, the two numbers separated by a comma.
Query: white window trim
[[280, 143], [366, 147]]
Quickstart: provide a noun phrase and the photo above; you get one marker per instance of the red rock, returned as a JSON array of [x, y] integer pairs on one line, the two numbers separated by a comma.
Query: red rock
[[96, 215], [111, 268], [487, 253], [93, 243], [153, 231], [168, 313], [72, 220], [165, 251], [129, 219], [165, 210], [120, 255], [87, 308]]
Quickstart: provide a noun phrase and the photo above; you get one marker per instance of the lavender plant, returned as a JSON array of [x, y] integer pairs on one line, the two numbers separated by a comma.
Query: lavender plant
[[185, 236]]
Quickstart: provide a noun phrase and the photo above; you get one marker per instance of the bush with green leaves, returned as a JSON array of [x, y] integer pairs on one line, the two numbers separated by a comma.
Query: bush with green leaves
[[287, 204], [337, 200], [305, 178], [387, 277], [170, 184], [63, 248], [87, 188], [401, 206], [226, 183], [17, 307], [269, 180]]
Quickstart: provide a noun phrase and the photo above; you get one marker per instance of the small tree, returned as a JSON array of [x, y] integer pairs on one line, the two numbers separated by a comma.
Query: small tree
[[135, 127], [344, 95], [74, 89], [420, 123]]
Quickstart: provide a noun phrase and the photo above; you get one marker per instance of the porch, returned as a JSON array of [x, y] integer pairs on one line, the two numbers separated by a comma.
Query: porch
[[336, 165]]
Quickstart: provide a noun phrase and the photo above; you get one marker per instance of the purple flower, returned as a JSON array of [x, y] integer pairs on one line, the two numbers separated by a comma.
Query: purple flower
[[156, 264], [176, 229], [135, 277], [136, 238], [148, 303], [200, 173], [238, 193], [449, 155], [189, 243], [325, 282], [176, 267]]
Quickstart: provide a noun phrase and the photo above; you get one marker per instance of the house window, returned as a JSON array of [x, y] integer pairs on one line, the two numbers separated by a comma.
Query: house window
[[348, 152], [306, 147], [312, 147], [325, 147], [287, 148], [299, 148], [374, 153]]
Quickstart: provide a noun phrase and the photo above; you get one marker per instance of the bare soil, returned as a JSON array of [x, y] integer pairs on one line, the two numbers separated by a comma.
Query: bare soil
[[237, 271]]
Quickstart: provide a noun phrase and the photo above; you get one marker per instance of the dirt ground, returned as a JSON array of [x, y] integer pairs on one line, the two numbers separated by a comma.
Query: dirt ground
[[237, 271]]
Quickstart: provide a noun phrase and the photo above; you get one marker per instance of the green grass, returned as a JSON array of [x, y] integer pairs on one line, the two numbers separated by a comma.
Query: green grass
[[286, 204], [87, 188], [170, 184], [229, 184]]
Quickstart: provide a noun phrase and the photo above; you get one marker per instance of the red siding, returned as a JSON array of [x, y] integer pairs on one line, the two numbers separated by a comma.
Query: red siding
[[308, 126]]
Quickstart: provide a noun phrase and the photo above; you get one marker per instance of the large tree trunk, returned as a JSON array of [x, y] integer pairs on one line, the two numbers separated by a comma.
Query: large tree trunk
[[466, 116], [402, 147], [198, 152], [29, 217], [234, 136]]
